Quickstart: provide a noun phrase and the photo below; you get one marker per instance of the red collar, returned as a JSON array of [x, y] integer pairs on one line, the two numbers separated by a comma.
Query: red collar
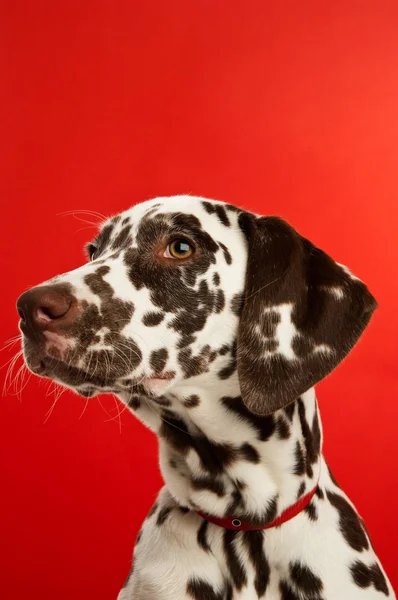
[[241, 525]]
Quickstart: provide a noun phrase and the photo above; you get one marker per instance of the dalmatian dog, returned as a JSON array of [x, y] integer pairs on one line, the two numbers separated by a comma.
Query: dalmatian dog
[[213, 324]]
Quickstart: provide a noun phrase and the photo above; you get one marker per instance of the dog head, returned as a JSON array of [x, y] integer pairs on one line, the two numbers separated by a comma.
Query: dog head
[[183, 287]]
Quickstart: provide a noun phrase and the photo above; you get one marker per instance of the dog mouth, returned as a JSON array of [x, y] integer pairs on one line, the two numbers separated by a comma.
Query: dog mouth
[[67, 374], [86, 383]]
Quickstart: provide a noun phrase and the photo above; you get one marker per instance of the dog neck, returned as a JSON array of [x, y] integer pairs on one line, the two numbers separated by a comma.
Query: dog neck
[[219, 458]]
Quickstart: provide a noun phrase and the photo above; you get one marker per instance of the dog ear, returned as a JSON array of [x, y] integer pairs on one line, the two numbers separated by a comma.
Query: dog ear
[[302, 314]]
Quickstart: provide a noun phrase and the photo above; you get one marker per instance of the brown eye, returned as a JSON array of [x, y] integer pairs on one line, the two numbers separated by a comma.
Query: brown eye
[[179, 249]]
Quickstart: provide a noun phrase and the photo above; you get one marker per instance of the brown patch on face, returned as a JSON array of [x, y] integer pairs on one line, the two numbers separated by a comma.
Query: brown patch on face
[[158, 360], [151, 319], [175, 286], [101, 367], [123, 239]]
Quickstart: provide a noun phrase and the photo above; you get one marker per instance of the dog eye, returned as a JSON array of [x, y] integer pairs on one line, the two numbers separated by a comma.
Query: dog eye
[[91, 251], [179, 249]]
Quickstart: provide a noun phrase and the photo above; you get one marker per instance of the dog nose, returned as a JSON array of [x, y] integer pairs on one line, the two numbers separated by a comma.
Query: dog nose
[[46, 308]]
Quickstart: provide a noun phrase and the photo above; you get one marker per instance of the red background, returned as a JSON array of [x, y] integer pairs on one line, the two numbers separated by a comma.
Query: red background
[[282, 107]]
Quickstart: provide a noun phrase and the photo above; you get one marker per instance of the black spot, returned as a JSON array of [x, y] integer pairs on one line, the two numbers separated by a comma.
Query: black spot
[[216, 279], [158, 360], [235, 567], [289, 410], [151, 319], [209, 207], [226, 372], [230, 369], [254, 543], [222, 215], [175, 432], [264, 425], [312, 438], [202, 536], [220, 302], [192, 401], [287, 592], [282, 429], [349, 523], [201, 590], [249, 453], [319, 493], [227, 255], [123, 239], [162, 515], [134, 402], [299, 467], [237, 303], [301, 490], [305, 580], [364, 576], [210, 484], [311, 511], [232, 208]]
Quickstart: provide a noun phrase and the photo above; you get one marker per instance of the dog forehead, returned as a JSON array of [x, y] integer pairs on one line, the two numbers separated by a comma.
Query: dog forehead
[[171, 204], [214, 216]]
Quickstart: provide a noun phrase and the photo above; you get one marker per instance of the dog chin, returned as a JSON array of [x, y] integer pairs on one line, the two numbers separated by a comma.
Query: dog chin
[[157, 386]]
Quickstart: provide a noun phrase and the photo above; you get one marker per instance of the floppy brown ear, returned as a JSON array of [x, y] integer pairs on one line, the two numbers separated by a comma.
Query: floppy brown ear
[[302, 314]]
